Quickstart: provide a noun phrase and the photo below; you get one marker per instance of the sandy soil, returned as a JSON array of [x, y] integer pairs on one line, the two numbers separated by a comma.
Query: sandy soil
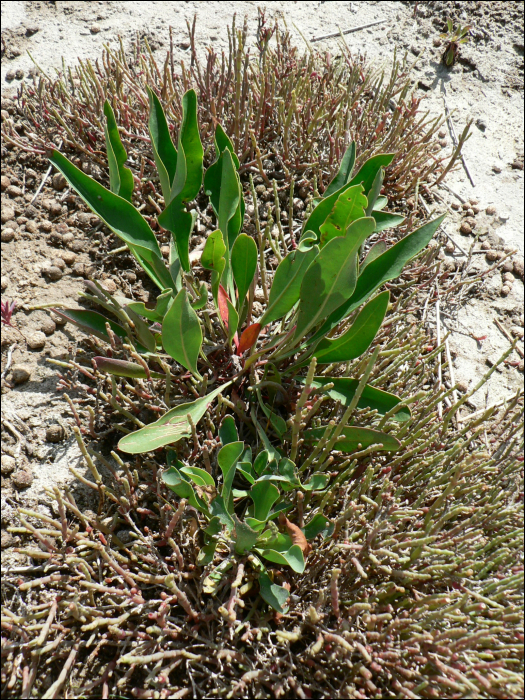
[[486, 86]]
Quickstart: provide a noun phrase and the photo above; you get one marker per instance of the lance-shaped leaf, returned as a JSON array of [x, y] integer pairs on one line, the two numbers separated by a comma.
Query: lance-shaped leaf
[[212, 177], [120, 178], [375, 251], [386, 220], [120, 216], [248, 338], [380, 203], [198, 476], [228, 314], [354, 438], [123, 368], [286, 286], [276, 596], [182, 334], [171, 427], [227, 458], [228, 431], [344, 173], [156, 314], [164, 152], [213, 259], [349, 206], [142, 331], [344, 390], [367, 173], [186, 186], [180, 222], [292, 557], [177, 483], [374, 191], [386, 267], [244, 265], [91, 322], [358, 337], [332, 276]]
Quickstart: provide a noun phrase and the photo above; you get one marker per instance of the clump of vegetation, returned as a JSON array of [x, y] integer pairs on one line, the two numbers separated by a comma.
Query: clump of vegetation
[[297, 505], [454, 38]]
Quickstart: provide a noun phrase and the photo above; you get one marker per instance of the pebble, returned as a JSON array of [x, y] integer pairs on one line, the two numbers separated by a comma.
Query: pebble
[[56, 208], [95, 28], [22, 479], [471, 222], [19, 74], [496, 169], [475, 210], [45, 226], [55, 238], [7, 235], [455, 205], [7, 539], [492, 255], [165, 250], [53, 273], [109, 285], [465, 228], [505, 290], [10, 76], [36, 340], [508, 278], [485, 245], [59, 182], [77, 245], [31, 226], [517, 332], [31, 212], [14, 191], [68, 257], [521, 366], [78, 269], [20, 373], [450, 247], [463, 387], [8, 465], [48, 326], [508, 266], [5, 282], [32, 29], [517, 165], [55, 433], [8, 213], [518, 267], [4, 183]]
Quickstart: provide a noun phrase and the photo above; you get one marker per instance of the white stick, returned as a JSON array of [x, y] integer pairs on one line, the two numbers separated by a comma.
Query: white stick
[[440, 375], [452, 377], [349, 31]]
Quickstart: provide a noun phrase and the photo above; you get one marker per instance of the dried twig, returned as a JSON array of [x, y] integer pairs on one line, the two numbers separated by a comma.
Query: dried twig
[[349, 31]]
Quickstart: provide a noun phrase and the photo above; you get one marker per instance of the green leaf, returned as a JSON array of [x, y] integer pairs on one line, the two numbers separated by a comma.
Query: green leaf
[[190, 147], [230, 196], [332, 276], [176, 483], [380, 203], [157, 314], [349, 206], [317, 483], [213, 259], [212, 177], [344, 173], [358, 337], [201, 301], [244, 265], [375, 251], [244, 536], [142, 332], [171, 427], [214, 527], [245, 472], [227, 458], [386, 267], [123, 368], [91, 322], [292, 557], [180, 222], [219, 509], [164, 152], [276, 596], [317, 525], [233, 320], [211, 583], [278, 423], [354, 438], [344, 390], [374, 191], [199, 476], [263, 495], [119, 215], [260, 462], [206, 554], [120, 178], [228, 431], [182, 334], [286, 286], [385, 220], [368, 171]]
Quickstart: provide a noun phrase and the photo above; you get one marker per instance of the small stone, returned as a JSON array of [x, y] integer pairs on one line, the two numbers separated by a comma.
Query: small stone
[[22, 479], [59, 182], [4, 183], [55, 433], [496, 169], [8, 214], [463, 387], [14, 191], [485, 245], [442, 134], [8, 465], [508, 278], [45, 226], [20, 373], [7, 235], [517, 165], [521, 366], [109, 285], [165, 250], [31, 227], [32, 29], [455, 205], [56, 208], [67, 238], [481, 124], [78, 269], [7, 539], [469, 212], [55, 238], [436, 41], [517, 332], [68, 257], [77, 245], [450, 247], [471, 222], [465, 206], [475, 210], [465, 229], [59, 262], [95, 28], [36, 341], [48, 326], [19, 74], [5, 282], [53, 273], [57, 320], [505, 290], [508, 267], [10, 76], [518, 267]]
